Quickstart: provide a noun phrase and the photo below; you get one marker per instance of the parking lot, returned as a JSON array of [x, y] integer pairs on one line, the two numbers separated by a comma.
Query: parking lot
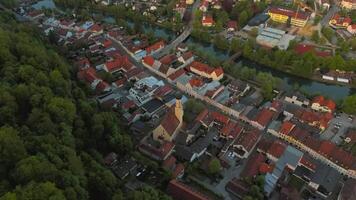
[[338, 126]]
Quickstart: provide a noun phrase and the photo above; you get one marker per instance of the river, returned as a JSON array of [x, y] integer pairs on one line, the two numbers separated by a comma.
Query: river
[[335, 92]]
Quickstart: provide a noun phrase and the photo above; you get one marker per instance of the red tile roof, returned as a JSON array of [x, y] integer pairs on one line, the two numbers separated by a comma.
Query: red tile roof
[[202, 115], [277, 149], [149, 60], [206, 68], [264, 117], [195, 82], [290, 13], [326, 148], [120, 62], [324, 102], [339, 20], [169, 163], [102, 85], [218, 117], [304, 48], [253, 164], [232, 24], [286, 127], [237, 187], [180, 191], [308, 162], [170, 122], [176, 74], [207, 20], [159, 152], [162, 91], [231, 130], [96, 28], [265, 168], [154, 47], [248, 139]]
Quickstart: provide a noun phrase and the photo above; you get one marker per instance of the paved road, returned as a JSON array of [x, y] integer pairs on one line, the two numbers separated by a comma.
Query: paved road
[[185, 34], [325, 21], [345, 124]]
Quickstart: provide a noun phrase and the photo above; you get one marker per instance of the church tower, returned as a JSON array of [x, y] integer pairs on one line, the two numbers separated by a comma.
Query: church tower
[[178, 110]]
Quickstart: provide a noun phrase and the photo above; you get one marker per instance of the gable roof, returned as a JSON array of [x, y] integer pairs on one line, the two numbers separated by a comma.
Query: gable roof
[[180, 191], [170, 122]]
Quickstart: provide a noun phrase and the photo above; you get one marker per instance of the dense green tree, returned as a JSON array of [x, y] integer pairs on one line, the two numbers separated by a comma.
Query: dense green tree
[[214, 166], [349, 104]]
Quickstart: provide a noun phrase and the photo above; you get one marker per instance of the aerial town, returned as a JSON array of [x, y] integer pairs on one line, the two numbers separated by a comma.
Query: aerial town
[[221, 99]]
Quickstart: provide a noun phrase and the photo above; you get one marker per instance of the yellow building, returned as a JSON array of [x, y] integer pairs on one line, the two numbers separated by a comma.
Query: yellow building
[[189, 2], [348, 4], [281, 15], [171, 123]]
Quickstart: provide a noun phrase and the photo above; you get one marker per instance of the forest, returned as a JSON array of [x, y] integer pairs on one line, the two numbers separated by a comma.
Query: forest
[[52, 136]]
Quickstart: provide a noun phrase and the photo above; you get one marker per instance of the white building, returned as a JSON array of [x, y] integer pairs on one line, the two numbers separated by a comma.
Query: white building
[[271, 37]]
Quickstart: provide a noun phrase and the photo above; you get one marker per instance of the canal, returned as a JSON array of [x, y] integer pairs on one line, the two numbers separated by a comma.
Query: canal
[[311, 87]]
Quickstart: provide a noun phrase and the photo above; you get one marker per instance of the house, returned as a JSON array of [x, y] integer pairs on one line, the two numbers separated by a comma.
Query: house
[[252, 166], [348, 4], [272, 149], [282, 15], [238, 88], [96, 29], [197, 148], [246, 142], [204, 5], [305, 48], [206, 71], [297, 99], [155, 47], [119, 63], [207, 21], [319, 103], [171, 165], [338, 21], [231, 130], [290, 160], [180, 191], [237, 187], [171, 123], [121, 168], [352, 29], [189, 2], [348, 190], [144, 89], [263, 118], [156, 150], [231, 25]]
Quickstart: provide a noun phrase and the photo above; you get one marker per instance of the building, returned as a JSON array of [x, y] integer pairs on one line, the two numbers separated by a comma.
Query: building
[[296, 18], [207, 21], [231, 25], [171, 123], [290, 159], [348, 190], [271, 37], [348, 4], [319, 103], [206, 71], [352, 29], [246, 142], [338, 21], [305, 48], [171, 165], [297, 99], [144, 89], [155, 47], [155, 150], [180, 191]]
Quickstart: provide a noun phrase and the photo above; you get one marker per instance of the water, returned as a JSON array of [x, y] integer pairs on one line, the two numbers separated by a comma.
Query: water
[[335, 92], [157, 31], [47, 4]]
